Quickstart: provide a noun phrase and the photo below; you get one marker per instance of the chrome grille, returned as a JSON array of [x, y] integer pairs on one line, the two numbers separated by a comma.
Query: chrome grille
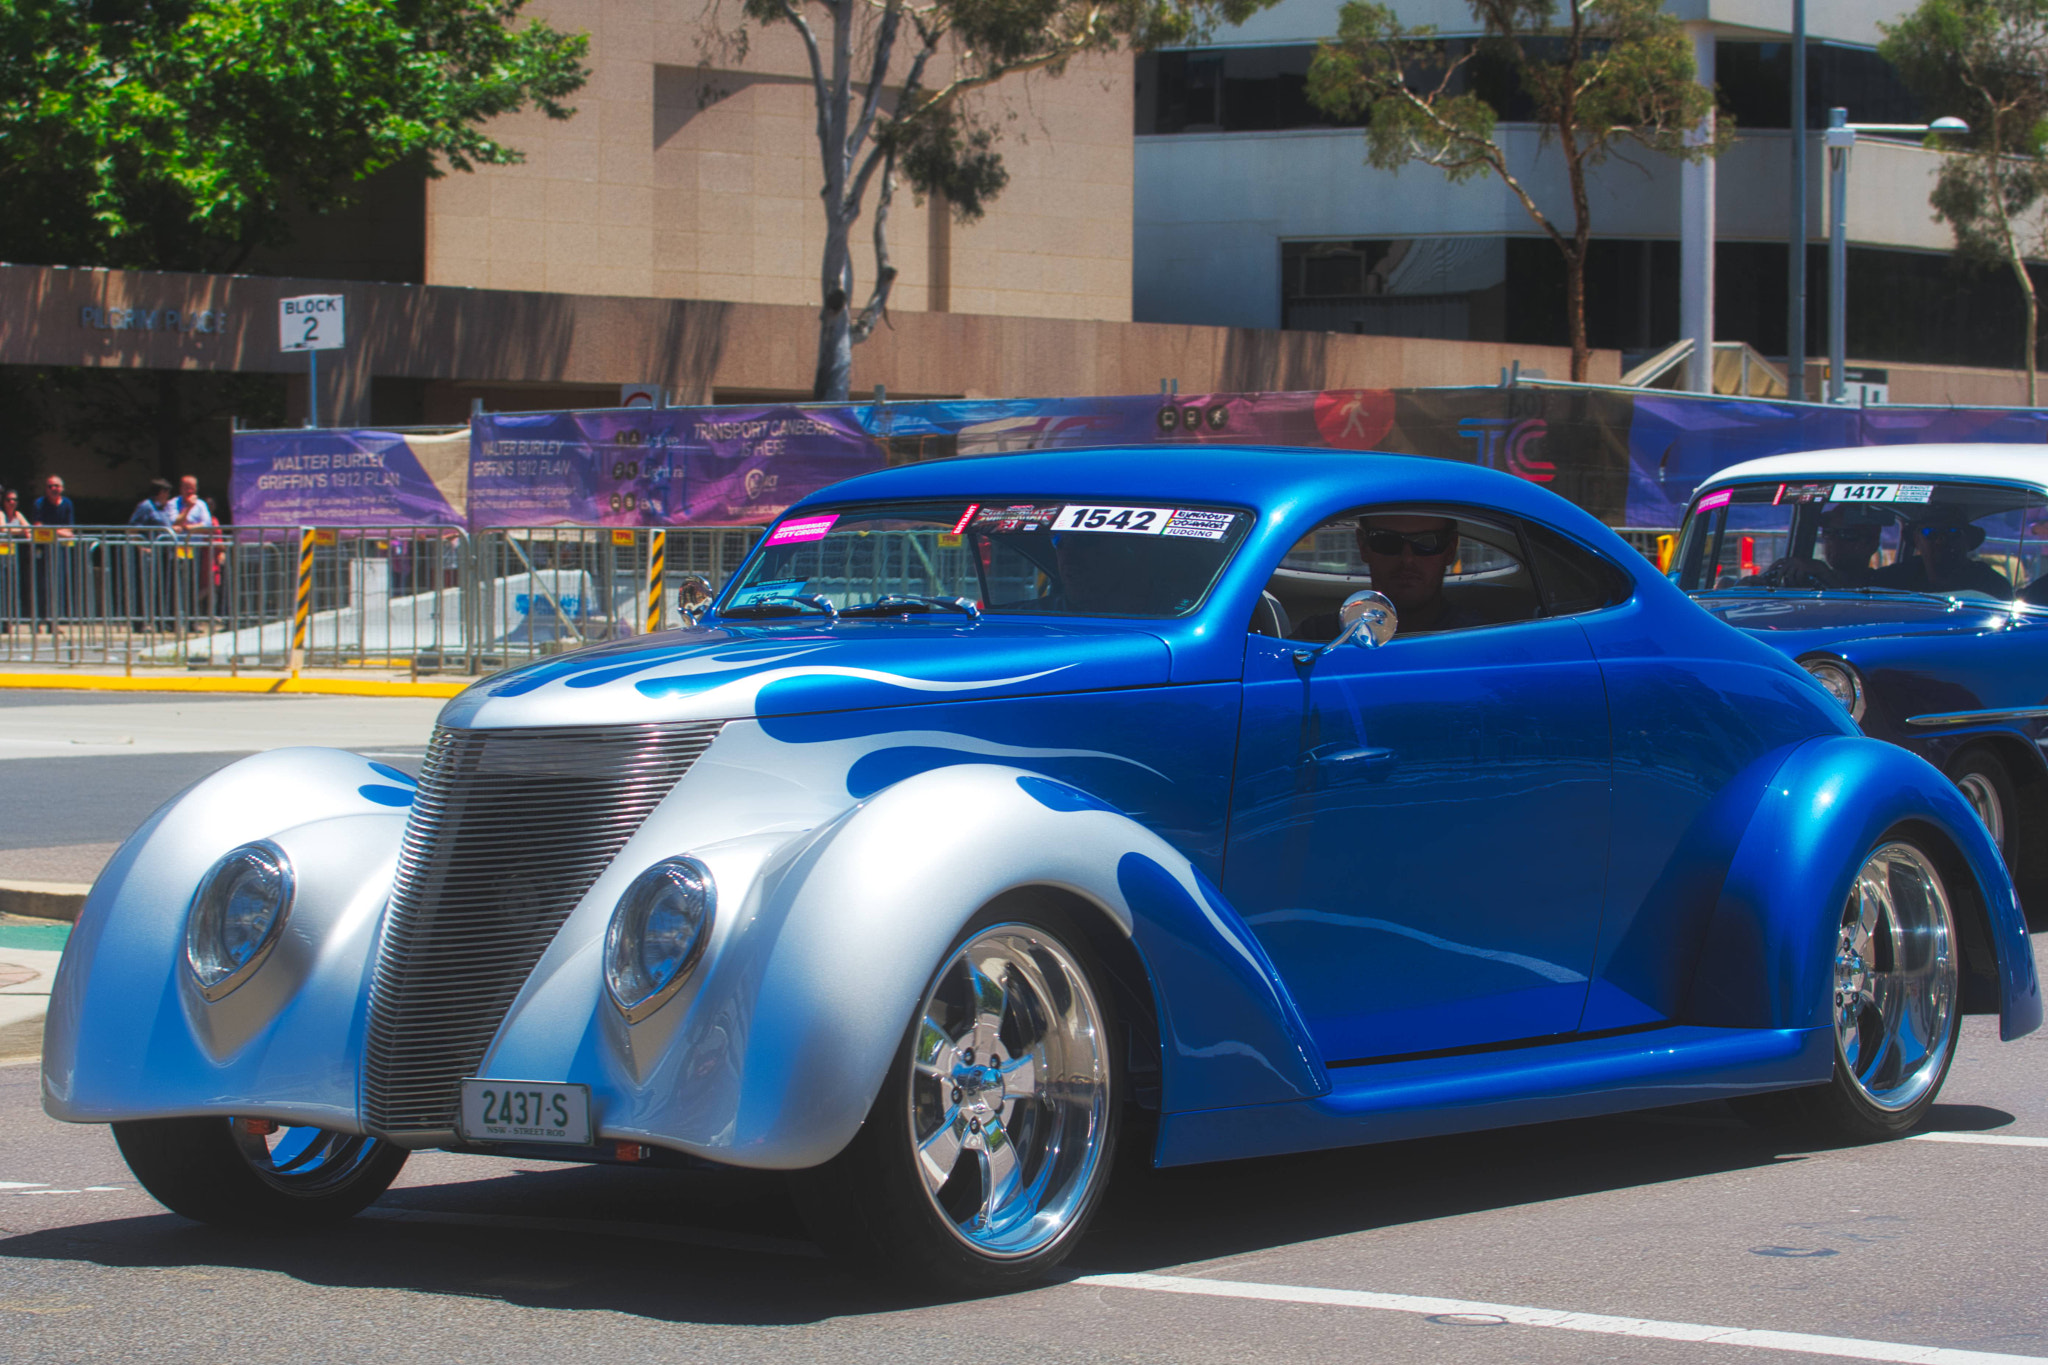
[[508, 831]]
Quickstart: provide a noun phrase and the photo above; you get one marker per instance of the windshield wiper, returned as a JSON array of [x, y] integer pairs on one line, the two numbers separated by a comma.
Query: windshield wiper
[[781, 604], [894, 604]]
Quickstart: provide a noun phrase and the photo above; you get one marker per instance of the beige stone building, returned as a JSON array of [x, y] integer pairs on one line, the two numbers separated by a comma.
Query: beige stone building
[[689, 174]]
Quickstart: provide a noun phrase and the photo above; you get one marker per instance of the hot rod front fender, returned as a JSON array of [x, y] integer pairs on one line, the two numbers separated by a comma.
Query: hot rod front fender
[[830, 937]]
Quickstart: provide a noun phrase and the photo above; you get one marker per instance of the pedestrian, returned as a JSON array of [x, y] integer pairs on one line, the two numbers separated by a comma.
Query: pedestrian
[[55, 511], [190, 511], [146, 572], [11, 557], [154, 510], [190, 516]]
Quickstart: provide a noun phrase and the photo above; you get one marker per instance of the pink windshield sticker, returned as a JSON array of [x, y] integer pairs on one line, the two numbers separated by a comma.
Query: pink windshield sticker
[[799, 529], [1707, 504]]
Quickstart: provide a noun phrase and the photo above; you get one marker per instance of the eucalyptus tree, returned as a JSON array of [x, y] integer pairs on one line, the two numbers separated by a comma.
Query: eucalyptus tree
[[1986, 62], [1608, 73], [891, 82]]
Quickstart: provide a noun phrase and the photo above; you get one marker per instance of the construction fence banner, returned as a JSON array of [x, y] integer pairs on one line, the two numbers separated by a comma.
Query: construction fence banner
[[1630, 457], [338, 477]]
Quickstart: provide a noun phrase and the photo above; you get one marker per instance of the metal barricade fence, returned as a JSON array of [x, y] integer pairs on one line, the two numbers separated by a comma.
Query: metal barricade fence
[[231, 597], [539, 590], [1656, 543]]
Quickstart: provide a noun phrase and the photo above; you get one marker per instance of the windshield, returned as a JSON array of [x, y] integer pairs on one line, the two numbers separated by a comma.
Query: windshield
[[1953, 539], [1011, 556]]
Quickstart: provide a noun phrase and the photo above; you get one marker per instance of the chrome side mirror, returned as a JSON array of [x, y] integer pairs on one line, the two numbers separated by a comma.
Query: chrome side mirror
[[1367, 618]]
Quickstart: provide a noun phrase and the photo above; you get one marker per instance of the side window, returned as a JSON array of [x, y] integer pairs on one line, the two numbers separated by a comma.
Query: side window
[[1572, 578], [1443, 570]]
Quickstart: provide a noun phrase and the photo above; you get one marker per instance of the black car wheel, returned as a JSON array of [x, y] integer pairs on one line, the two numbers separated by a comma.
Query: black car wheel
[[1984, 783], [251, 1173]]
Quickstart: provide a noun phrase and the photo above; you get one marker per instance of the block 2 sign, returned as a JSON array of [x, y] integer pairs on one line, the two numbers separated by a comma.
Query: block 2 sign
[[311, 323]]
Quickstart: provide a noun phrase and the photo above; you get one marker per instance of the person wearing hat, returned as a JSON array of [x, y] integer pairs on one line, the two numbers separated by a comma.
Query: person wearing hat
[[1849, 536], [1935, 557]]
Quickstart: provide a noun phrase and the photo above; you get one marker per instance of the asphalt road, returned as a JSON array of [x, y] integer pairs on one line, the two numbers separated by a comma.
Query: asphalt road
[[1676, 1236], [80, 770]]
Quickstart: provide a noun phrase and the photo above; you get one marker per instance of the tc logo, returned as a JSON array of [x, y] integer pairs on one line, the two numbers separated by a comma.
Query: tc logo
[[1504, 443], [759, 481]]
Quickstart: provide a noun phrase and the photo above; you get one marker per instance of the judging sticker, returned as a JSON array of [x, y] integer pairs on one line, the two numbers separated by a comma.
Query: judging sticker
[[1204, 525], [799, 529], [1130, 521], [1882, 492]]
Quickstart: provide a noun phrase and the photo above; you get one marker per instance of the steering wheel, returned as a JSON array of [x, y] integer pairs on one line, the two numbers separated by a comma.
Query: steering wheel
[[1792, 572]]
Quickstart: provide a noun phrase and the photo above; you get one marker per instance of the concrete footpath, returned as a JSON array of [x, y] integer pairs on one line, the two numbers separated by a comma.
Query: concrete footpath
[[29, 950]]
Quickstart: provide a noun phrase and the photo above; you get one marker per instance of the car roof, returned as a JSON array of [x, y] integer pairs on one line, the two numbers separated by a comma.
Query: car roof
[[1984, 460], [1245, 475]]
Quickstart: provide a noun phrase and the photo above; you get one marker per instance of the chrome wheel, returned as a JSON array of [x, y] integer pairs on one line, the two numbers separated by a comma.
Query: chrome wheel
[[301, 1161], [1896, 979], [1978, 790], [1009, 1092]]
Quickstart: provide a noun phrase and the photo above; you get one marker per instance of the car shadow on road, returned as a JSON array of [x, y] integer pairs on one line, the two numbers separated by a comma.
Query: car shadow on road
[[724, 1249]]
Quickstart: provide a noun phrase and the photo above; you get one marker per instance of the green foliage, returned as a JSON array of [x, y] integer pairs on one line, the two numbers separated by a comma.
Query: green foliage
[[1607, 72], [1623, 71], [179, 134], [1985, 62]]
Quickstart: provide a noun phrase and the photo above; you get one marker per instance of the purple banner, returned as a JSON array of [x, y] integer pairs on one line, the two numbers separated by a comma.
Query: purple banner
[[661, 467], [350, 478]]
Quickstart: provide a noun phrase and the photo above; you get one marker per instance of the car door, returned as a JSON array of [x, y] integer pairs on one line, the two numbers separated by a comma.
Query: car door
[[1419, 830]]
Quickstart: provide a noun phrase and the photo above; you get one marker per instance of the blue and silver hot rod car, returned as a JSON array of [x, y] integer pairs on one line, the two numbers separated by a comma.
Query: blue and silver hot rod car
[[1300, 799]]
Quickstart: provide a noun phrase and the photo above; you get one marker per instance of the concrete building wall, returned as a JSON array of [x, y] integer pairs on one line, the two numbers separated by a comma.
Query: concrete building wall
[[687, 173]]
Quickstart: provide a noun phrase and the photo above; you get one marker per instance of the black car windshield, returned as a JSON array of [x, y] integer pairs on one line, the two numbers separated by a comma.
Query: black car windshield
[[1969, 541], [1065, 556]]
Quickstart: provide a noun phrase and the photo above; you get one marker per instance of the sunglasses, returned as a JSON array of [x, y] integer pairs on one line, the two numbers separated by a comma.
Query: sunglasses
[[1418, 542]]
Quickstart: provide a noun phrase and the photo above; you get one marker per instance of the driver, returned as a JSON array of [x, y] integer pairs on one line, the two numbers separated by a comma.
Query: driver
[[1849, 536], [1407, 557], [1940, 561]]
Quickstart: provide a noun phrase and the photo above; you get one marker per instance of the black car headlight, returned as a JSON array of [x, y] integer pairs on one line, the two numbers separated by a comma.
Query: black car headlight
[[657, 934], [1841, 680], [236, 915]]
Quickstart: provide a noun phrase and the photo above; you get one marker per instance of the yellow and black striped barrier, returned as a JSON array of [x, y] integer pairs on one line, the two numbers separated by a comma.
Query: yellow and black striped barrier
[[657, 573], [302, 609]]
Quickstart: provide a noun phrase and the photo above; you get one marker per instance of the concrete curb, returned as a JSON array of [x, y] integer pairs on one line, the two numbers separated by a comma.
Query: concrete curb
[[43, 900], [323, 687]]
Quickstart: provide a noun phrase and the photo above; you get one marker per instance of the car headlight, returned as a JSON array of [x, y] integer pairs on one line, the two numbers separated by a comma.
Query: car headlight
[[235, 916], [1841, 680], [657, 934]]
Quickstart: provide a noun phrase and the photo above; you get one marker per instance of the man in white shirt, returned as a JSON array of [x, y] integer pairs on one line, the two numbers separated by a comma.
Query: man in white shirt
[[189, 511]]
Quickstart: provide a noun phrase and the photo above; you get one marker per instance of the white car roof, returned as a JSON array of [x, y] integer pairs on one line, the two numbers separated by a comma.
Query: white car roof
[[2011, 463]]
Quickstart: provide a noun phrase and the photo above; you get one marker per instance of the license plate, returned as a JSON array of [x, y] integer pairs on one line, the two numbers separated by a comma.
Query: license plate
[[525, 1111]]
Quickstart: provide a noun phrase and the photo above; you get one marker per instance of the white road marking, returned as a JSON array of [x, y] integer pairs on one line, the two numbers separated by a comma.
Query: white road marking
[[1462, 1311], [21, 1184], [1981, 1139]]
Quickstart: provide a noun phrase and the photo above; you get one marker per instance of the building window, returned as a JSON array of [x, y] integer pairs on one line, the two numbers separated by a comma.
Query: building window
[[1755, 81]]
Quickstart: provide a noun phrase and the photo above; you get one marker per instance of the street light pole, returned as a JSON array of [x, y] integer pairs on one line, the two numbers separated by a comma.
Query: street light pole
[[1795, 323], [1841, 140]]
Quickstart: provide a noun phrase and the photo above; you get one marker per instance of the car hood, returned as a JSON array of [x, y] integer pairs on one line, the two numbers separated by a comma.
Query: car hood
[[795, 668], [1796, 622]]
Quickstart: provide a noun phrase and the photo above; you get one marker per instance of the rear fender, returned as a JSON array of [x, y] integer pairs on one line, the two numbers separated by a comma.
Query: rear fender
[[1768, 956]]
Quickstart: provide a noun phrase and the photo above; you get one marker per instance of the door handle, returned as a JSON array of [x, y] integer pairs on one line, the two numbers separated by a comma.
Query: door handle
[[1346, 756]]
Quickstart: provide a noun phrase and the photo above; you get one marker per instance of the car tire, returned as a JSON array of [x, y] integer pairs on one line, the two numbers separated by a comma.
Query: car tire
[[1985, 784], [1895, 1005], [233, 1173], [973, 1175]]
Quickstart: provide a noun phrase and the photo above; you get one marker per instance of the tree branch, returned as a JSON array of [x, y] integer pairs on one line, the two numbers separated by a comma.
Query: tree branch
[[877, 307]]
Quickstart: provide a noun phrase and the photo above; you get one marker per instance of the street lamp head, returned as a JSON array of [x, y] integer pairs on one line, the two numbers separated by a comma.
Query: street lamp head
[[1949, 125]]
